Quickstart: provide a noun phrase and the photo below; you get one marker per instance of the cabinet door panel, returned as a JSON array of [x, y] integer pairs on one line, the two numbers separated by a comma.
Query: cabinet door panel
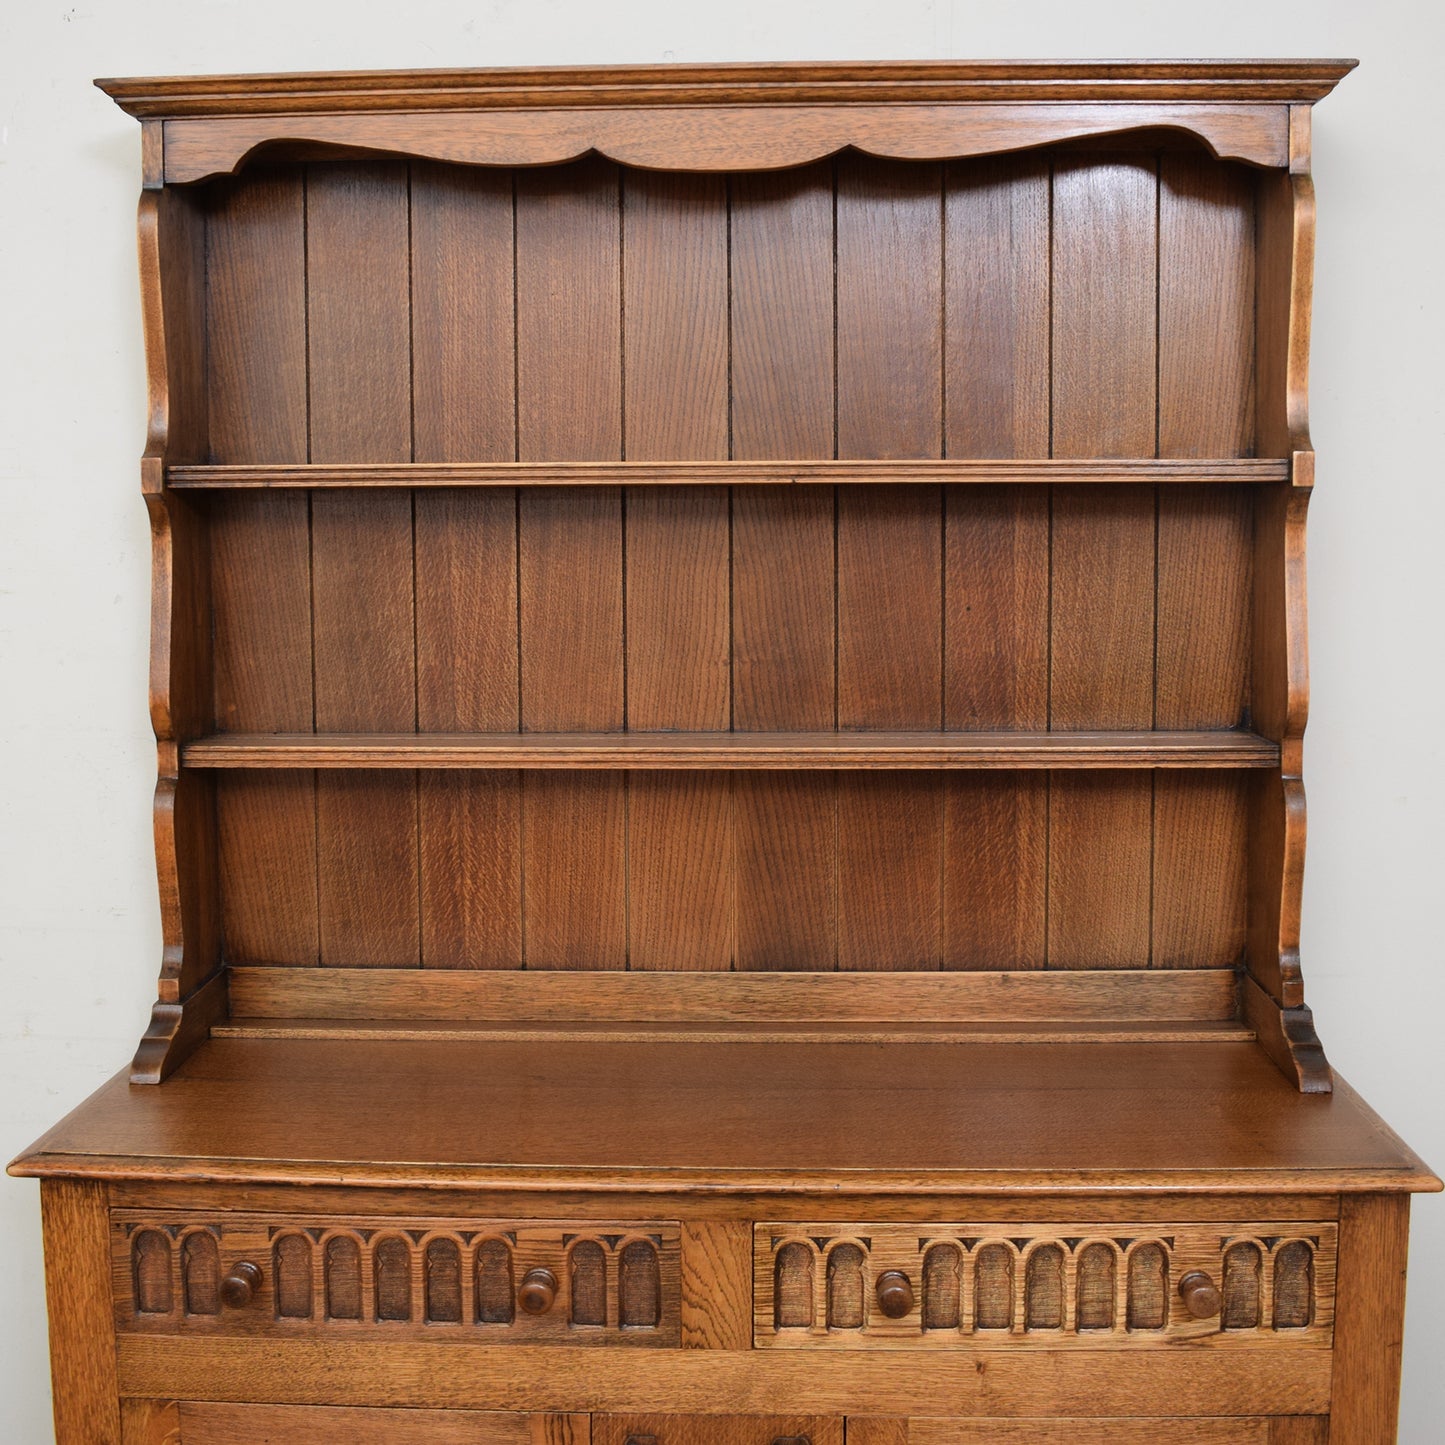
[[190, 1422], [1137, 1431], [716, 1430]]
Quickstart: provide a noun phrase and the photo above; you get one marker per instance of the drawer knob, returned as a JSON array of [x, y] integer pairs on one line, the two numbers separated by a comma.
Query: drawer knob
[[895, 1294], [1200, 1295], [239, 1287], [538, 1290]]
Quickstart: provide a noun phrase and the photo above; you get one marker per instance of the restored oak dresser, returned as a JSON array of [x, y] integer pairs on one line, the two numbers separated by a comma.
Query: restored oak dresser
[[729, 675]]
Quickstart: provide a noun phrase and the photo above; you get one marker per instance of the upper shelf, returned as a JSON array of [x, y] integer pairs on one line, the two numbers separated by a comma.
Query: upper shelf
[[1003, 750], [1174, 470]]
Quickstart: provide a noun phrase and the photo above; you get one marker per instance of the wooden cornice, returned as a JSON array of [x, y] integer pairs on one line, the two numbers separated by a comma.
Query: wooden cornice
[[768, 84]]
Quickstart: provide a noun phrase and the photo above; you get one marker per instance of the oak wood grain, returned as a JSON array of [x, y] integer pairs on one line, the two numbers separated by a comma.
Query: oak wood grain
[[1370, 1322], [261, 558], [774, 997], [210, 1423], [720, 137], [716, 1299], [456, 1376], [75, 1217], [783, 577], [967, 1117]]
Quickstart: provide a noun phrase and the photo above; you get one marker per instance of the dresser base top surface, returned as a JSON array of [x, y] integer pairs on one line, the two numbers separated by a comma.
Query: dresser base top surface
[[668, 1116]]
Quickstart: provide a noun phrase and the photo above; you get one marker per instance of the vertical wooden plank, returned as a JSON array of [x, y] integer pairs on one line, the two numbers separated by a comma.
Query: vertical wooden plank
[[996, 562], [890, 845], [717, 1291], [574, 870], [675, 241], [358, 311], [680, 873], [1369, 1317], [1099, 851], [996, 281], [1101, 675], [75, 1217], [1102, 634], [1203, 620], [358, 321], [464, 362], [260, 561], [889, 675], [787, 870], [569, 359], [1205, 542], [890, 555], [569, 350], [996, 621], [995, 835], [464, 372], [570, 590], [782, 313], [1201, 854], [996, 641], [256, 318], [470, 822], [1105, 257], [1206, 307], [783, 648], [890, 301], [1102, 608]]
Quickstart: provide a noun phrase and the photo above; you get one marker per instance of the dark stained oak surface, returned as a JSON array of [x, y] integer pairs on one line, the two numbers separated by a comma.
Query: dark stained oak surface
[[776, 1115]]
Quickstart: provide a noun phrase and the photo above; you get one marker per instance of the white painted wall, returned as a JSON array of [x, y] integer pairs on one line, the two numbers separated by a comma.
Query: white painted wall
[[79, 936]]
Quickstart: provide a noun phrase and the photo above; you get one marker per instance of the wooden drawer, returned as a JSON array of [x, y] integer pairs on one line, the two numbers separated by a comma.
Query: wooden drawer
[[938, 1286], [499, 1281]]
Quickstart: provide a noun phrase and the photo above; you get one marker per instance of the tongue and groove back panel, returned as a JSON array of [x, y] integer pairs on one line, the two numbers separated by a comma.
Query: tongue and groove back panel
[[1063, 303]]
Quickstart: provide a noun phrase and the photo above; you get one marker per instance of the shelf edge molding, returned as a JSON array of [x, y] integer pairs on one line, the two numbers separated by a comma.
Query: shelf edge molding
[[1184, 471], [712, 751], [746, 83]]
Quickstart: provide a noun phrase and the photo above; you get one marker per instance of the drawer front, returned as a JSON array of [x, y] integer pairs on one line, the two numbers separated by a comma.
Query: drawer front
[[855, 1286], [498, 1281]]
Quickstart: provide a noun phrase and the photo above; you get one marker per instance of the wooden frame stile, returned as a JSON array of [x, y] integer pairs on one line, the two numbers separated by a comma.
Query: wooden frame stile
[[171, 233], [1273, 988]]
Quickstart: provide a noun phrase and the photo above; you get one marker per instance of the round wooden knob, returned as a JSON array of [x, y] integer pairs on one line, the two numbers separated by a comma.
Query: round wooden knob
[[538, 1290], [239, 1287], [895, 1294], [1200, 1295]]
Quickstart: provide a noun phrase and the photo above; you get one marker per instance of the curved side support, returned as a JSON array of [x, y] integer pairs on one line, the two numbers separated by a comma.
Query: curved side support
[[191, 993], [720, 138], [1274, 991]]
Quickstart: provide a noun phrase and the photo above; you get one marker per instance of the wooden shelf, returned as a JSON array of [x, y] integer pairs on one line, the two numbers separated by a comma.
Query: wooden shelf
[[1180, 470], [624, 1116], [658, 750]]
